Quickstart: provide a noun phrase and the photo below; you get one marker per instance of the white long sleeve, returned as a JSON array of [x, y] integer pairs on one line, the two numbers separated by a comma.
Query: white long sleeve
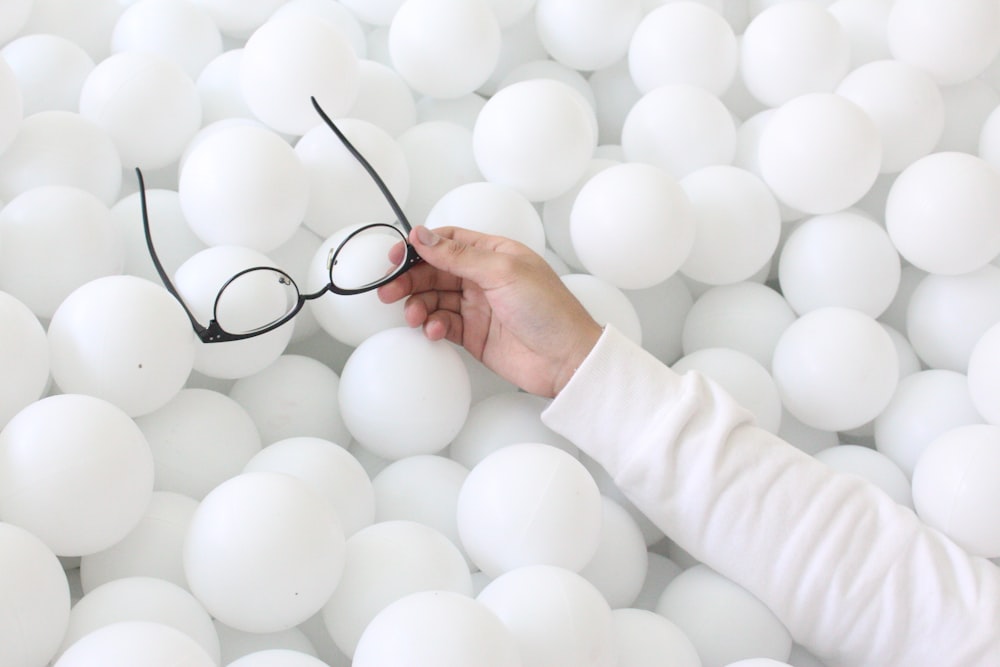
[[856, 578]]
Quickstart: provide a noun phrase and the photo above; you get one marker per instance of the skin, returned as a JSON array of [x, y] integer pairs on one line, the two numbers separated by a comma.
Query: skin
[[500, 301]]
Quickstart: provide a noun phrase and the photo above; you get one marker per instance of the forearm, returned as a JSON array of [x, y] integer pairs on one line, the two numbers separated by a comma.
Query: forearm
[[854, 576]]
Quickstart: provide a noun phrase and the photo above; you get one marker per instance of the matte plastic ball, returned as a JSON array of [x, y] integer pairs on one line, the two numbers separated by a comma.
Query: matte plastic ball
[[128, 643], [24, 357], [13, 17], [587, 35], [906, 105], [490, 208], [34, 599], [643, 637], [172, 237], [951, 43], [737, 223], [662, 310], [606, 303], [942, 210], [948, 314], [535, 136], [53, 239], [147, 104], [220, 91], [84, 504], [680, 127], [385, 562], [88, 24], [791, 49], [335, 12], [374, 12], [422, 384], [142, 599], [329, 469], [444, 48], [835, 368], [618, 567], [237, 644], [12, 107], [183, 32], [840, 259], [151, 549], [723, 620], [865, 24], [683, 42], [529, 504], [243, 185], [386, 100], [440, 155], [820, 152], [551, 69], [967, 106], [953, 487], [436, 629], [292, 58], [556, 214], [984, 369], [872, 465], [341, 193], [199, 439], [557, 617], [50, 71], [277, 657], [264, 552], [632, 225]]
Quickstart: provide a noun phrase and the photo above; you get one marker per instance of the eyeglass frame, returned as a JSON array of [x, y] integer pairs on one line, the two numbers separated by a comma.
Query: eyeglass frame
[[214, 333]]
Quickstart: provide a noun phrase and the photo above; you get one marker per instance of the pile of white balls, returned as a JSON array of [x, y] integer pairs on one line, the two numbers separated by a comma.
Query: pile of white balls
[[800, 199]]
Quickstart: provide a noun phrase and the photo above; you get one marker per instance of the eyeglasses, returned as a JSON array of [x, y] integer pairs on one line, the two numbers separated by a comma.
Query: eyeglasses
[[262, 298]]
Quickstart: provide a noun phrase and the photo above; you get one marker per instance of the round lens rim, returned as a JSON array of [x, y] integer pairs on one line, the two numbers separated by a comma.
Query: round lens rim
[[404, 265], [292, 312]]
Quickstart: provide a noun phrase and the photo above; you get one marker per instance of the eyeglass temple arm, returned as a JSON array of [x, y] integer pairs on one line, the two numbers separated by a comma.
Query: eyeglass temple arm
[[198, 327], [367, 165]]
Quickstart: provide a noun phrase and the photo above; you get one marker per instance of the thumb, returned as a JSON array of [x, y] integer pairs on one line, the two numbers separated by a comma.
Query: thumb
[[461, 252]]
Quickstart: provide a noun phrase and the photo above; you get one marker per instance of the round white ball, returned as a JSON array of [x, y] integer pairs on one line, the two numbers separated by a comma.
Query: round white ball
[[643, 636], [984, 369], [618, 567], [50, 70], [606, 303], [24, 357], [12, 108], [587, 36], [15, 15], [128, 643], [872, 465], [440, 156], [490, 208], [183, 32]]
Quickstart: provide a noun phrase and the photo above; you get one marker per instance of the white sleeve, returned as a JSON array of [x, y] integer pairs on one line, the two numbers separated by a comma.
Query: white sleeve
[[856, 578]]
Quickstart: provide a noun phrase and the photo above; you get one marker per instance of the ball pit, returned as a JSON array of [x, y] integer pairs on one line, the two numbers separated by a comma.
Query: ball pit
[[798, 199]]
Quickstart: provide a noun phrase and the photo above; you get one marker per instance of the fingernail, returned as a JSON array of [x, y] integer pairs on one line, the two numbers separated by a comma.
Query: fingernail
[[426, 236]]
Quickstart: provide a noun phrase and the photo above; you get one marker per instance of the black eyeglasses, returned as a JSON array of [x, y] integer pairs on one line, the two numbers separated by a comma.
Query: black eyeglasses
[[262, 298]]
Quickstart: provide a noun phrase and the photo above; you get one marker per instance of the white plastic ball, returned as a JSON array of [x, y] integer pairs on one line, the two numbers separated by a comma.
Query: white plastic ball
[[374, 12], [947, 315], [872, 465], [820, 152], [953, 488], [614, 93], [142, 599], [83, 505], [13, 17], [385, 99], [906, 105], [436, 629], [984, 369], [12, 108], [632, 225], [967, 106], [391, 371], [199, 279], [925, 405], [219, 89], [237, 644], [529, 504], [557, 617], [34, 599], [336, 13], [747, 316], [587, 35], [385, 562], [331, 471], [151, 549], [24, 357], [147, 104], [128, 643], [941, 213], [723, 620], [618, 567], [87, 24], [441, 157], [606, 303], [550, 69], [490, 208], [680, 127], [182, 32], [444, 48], [805, 437], [460, 110], [172, 237], [836, 368], [290, 59], [791, 49], [839, 259], [277, 657], [737, 223], [535, 136], [294, 396], [660, 570], [61, 148], [556, 214], [683, 42], [864, 22], [53, 239], [662, 311], [951, 43], [243, 185], [281, 556], [341, 193], [743, 377], [644, 637], [50, 71]]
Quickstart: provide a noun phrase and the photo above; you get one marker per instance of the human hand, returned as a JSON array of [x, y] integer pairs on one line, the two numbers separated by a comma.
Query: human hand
[[499, 300]]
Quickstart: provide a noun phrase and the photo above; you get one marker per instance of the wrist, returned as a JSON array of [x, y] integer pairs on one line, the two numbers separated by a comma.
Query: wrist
[[578, 352]]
